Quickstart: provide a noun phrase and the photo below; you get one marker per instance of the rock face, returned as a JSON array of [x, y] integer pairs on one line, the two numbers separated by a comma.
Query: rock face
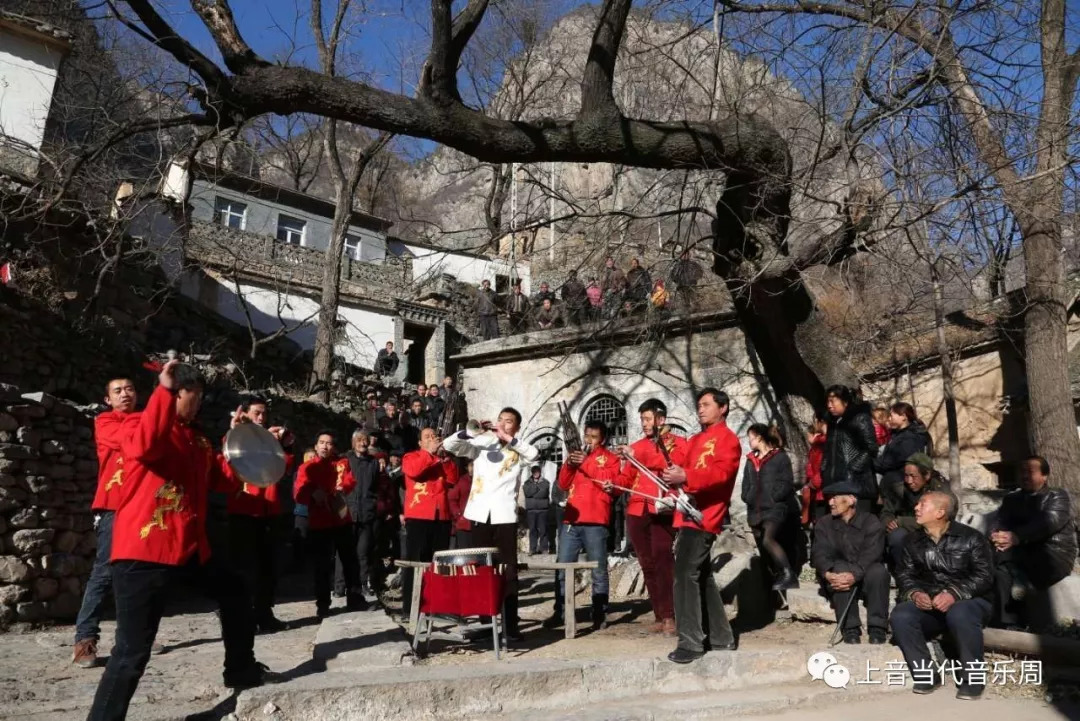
[[46, 528]]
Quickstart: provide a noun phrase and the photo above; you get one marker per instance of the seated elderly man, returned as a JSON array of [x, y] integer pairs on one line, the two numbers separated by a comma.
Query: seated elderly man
[[847, 551], [946, 580], [898, 513], [1034, 539]]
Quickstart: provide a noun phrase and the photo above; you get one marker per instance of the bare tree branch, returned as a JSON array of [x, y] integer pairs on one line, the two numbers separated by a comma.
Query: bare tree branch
[[597, 96], [218, 18]]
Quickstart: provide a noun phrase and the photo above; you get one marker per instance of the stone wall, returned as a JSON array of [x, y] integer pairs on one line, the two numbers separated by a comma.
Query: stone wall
[[48, 472]]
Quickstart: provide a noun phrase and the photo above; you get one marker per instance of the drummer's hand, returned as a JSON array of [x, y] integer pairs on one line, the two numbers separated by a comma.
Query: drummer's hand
[[674, 476], [278, 432], [238, 417], [608, 487], [577, 458]]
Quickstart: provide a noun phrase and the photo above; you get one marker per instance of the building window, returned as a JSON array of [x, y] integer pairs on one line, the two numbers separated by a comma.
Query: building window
[[352, 247], [290, 230], [550, 447], [612, 413], [230, 213]]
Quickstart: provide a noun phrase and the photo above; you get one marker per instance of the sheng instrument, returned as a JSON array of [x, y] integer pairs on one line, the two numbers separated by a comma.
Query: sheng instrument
[[682, 501]]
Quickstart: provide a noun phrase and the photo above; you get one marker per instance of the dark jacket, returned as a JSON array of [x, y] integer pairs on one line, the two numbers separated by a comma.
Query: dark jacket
[[1042, 520], [850, 447], [638, 284], [847, 546], [961, 563], [573, 293], [901, 507], [768, 489], [901, 446], [537, 494], [386, 363], [363, 498]]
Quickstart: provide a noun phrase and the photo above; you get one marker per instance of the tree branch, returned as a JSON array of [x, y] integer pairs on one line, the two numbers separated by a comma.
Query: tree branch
[[218, 18], [438, 79], [168, 40], [597, 94]]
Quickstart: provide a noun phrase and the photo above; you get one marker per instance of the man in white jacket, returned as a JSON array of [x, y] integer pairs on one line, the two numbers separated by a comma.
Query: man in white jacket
[[500, 462]]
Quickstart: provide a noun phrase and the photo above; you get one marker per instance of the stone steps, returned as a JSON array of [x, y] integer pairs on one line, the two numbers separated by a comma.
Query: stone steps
[[544, 686]]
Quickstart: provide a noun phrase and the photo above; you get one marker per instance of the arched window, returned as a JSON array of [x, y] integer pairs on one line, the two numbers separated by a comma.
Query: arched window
[[612, 413], [550, 447]]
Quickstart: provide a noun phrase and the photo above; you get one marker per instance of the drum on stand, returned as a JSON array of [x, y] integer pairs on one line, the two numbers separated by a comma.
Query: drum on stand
[[466, 557]]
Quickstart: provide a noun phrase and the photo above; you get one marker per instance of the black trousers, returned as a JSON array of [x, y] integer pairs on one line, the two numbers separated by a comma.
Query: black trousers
[[502, 536], [141, 590], [422, 539], [324, 544], [963, 622], [874, 591], [538, 531], [699, 609], [364, 537], [298, 542], [489, 327], [462, 539], [253, 552]]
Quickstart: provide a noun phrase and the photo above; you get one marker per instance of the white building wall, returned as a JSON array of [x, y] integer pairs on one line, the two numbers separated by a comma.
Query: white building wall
[[27, 78], [366, 330], [429, 262]]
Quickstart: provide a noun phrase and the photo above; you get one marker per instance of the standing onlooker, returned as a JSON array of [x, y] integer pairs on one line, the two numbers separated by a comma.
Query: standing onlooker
[[850, 446], [574, 298], [813, 498], [909, 436], [881, 426], [545, 293], [558, 511], [638, 284], [686, 274], [613, 285], [363, 504], [487, 310], [768, 490], [537, 501], [517, 307], [595, 297], [435, 405], [457, 497], [447, 388], [386, 363]]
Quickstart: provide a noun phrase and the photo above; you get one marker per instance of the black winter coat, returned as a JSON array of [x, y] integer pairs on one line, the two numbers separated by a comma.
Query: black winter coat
[[901, 446], [1042, 520], [537, 494], [850, 448], [847, 546], [961, 563], [362, 499], [769, 492]]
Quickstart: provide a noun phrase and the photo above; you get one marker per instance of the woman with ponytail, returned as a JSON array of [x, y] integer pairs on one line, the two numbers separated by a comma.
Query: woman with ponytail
[[768, 490]]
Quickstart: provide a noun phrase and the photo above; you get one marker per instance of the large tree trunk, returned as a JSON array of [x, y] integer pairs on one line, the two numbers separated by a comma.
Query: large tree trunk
[[323, 361]]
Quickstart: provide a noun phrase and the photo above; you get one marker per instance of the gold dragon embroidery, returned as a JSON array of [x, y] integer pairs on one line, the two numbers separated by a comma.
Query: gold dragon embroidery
[[710, 450], [340, 476], [601, 460], [477, 487], [509, 460], [117, 477], [420, 490], [170, 498]]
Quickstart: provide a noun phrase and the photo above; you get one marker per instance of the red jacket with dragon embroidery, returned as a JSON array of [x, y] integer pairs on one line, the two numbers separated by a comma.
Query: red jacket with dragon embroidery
[[333, 477], [646, 452], [109, 430], [427, 479], [586, 501], [170, 470], [712, 463]]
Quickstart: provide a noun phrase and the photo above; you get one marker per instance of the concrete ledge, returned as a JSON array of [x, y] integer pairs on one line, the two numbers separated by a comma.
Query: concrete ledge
[[361, 640], [519, 685], [806, 604]]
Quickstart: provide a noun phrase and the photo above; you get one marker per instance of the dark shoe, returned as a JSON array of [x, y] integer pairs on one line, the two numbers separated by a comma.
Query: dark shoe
[[877, 636], [271, 624], [85, 655], [322, 612], [970, 692], [515, 635], [356, 602], [681, 655], [925, 688], [786, 580], [733, 646], [599, 611], [852, 637], [250, 677], [554, 621]]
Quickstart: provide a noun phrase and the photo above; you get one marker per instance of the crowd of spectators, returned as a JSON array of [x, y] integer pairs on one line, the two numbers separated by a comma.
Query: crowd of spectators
[[610, 294]]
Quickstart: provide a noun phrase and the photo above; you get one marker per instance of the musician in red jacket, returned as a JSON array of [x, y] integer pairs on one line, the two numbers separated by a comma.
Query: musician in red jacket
[[708, 476], [254, 514], [429, 473], [321, 485], [650, 527], [109, 429], [159, 538], [588, 477]]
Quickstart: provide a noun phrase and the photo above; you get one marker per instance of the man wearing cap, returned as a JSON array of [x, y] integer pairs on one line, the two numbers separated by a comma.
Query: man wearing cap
[[847, 551], [898, 513]]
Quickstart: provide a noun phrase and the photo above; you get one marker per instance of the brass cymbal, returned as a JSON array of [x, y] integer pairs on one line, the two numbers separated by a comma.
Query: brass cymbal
[[254, 455]]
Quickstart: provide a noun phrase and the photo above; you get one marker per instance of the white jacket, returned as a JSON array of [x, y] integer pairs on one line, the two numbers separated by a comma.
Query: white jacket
[[498, 471]]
